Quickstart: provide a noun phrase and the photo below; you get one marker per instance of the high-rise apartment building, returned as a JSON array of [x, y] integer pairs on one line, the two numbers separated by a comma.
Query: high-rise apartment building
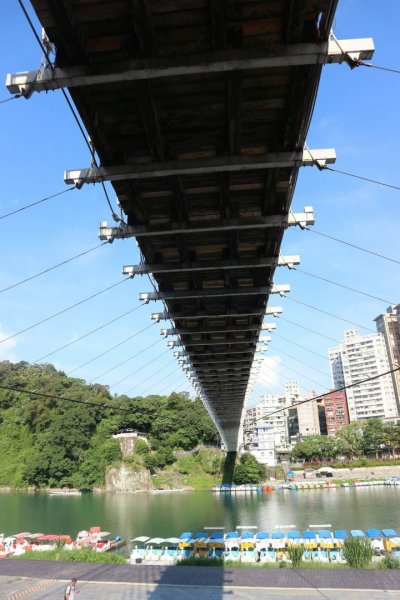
[[281, 420], [308, 416], [336, 411], [258, 414], [358, 358], [389, 325]]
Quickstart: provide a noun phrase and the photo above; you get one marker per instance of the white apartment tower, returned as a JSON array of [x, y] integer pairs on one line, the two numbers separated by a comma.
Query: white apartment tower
[[389, 325], [257, 415], [355, 359], [266, 425]]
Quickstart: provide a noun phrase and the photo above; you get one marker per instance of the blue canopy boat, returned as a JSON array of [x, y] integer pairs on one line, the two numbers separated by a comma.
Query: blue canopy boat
[[390, 533], [247, 535], [357, 533], [376, 538], [217, 536], [200, 535], [294, 537], [340, 534], [374, 533]]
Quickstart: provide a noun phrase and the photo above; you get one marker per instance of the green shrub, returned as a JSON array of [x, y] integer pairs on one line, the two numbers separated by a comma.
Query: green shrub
[[200, 562], [187, 465], [295, 554], [389, 562], [81, 555], [142, 447], [249, 470], [357, 552], [282, 564], [135, 461]]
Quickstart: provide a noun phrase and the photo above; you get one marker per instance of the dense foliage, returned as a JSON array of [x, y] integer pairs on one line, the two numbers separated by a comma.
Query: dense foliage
[[357, 439], [249, 470], [51, 441]]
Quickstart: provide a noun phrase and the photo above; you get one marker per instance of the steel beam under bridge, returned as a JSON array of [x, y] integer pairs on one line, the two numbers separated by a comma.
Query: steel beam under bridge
[[214, 62]]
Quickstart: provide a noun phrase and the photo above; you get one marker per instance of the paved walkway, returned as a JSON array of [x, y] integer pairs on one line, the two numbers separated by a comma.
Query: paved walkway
[[43, 580]]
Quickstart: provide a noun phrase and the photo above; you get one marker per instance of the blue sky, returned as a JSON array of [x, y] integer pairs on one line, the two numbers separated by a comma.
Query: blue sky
[[356, 113]]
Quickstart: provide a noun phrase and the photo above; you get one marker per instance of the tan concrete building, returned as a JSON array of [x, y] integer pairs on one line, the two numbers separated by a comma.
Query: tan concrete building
[[388, 324], [308, 416]]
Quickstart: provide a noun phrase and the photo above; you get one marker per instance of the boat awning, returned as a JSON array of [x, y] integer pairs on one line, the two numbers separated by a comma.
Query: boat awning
[[277, 535], [155, 541], [325, 534], [341, 534], [294, 535], [232, 535], [247, 535], [217, 535], [173, 541], [390, 533], [200, 535], [374, 533], [141, 539], [309, 535], [262, 535], [357, 533], [186, 535]]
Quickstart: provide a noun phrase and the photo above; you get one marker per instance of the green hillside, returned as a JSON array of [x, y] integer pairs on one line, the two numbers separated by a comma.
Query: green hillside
[[65, 438]]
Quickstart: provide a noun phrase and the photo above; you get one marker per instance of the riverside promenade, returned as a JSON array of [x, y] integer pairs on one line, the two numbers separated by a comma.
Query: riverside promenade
[[46, 580]]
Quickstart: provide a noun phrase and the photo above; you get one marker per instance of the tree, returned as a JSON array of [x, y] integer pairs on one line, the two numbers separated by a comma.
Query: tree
[[374, 436], [142, 448], [350, 439], [49, 441], [249, 470], [392, 436], [329, 447], [309, 448]]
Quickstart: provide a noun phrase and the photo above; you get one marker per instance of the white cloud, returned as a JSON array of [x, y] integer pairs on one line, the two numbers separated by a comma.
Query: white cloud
[[6, 347]]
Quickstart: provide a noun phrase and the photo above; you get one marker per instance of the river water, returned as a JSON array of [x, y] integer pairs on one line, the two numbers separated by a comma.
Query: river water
[[168, 514]]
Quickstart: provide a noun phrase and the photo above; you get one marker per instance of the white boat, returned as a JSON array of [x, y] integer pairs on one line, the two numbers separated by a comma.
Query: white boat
[[138, 552], [170, 551], [154, 549]]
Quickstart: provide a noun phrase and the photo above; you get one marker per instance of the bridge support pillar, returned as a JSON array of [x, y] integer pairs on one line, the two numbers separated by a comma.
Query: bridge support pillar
[[229, 465]]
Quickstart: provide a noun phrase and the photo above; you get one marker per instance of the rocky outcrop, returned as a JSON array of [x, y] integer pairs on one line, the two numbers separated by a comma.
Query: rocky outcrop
[[126, 479]]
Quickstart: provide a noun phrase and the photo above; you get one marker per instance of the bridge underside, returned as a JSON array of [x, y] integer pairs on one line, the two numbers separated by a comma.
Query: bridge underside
[[194, 141]]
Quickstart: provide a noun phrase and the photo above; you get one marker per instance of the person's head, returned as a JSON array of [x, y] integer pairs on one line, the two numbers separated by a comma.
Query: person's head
[[74, 580]]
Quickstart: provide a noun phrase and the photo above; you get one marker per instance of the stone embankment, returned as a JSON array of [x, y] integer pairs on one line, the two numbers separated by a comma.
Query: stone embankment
[[367, 473], [362, 473]]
